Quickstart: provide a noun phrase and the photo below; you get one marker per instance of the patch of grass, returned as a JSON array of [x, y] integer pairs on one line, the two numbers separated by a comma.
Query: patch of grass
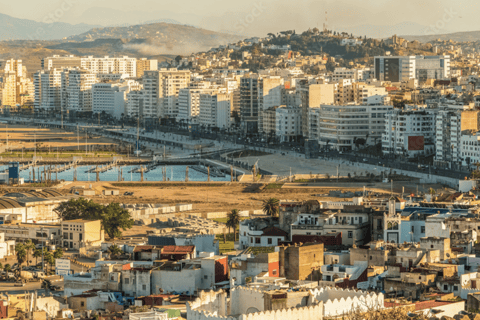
[[224, 220], [228, 245], [258, 250], [274, 186]]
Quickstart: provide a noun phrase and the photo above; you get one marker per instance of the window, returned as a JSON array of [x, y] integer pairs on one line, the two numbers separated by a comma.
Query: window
[[455, 288], [445, 287], [371, 257], [71, 236], [205, 277], [127, 281], [274, 271], [431, 246], [251, 240], [82, 304], [80, 237], [257, 240], [350, 234], [269, 241], [413, 228], [422, 229], [144, 287]]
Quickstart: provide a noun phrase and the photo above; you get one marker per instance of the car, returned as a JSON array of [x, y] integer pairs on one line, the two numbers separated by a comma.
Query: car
[[128, 193], [365, 160]]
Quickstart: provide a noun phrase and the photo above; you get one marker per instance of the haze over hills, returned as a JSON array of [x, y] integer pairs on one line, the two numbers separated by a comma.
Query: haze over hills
[[456, 36], [22, 29], [382, 31], [159, 38]]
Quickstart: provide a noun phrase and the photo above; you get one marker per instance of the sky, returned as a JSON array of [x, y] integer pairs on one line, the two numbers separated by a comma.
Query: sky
[[258, 17]]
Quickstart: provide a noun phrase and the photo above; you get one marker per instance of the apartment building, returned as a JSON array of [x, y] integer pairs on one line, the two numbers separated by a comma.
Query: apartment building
[[370, 94], [76, 90], [80, 233], [146, 65], [109, 98], [215, 109], [352, 74], [189, 101], [345, 91], [288, 123], [409, 133], [258, 94], [469, 148], [134, 103], [450, 124], [12, 72], [47, 84], [119, 65], [340, 126], [313, 96]]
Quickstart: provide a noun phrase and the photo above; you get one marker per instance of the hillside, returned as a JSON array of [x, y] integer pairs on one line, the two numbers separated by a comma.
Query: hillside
[[468, 36], [21, 29], [159, 38]]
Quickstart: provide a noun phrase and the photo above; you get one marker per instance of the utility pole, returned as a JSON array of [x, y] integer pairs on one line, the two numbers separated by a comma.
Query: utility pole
[[6, 126], [78, 140]]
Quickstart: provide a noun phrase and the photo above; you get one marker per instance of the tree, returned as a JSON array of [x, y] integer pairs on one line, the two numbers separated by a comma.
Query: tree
[[21, 254], [37, 254], [271, 207], [115, 250], [7, 268], [1, 266], [113, 216], [29, 247], [58, 253], [233, 219]]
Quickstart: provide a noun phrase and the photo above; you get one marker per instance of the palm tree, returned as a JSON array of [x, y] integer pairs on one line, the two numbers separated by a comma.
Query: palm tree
[[37, 254], [29, 247], [271, 207], [115, 250], [233, 220]]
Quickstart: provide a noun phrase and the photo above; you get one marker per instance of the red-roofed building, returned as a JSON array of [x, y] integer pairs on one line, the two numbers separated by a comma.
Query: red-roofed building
[[177, 253]]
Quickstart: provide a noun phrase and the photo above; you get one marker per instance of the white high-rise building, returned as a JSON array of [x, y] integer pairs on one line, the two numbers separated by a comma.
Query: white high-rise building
[[215, 109], [47, 86], [288, 123], [120, 65], [76, 93], [161, 89], [109, 98], [409, 133]]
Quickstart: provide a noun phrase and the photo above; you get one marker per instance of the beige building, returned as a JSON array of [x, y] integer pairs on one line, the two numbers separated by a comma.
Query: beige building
[[145, 65], [11, 74], [80, 233], [313, 96]]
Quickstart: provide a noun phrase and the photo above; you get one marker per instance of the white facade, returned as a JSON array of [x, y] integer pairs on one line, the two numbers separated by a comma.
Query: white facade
[[109, 99], [215, 110], [47, 89], [404, 132], [340, 126], [76, 93], [288, 123]]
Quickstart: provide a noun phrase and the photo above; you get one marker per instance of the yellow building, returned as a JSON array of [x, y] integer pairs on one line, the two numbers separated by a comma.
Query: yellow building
[[145, 65], [81, 233]]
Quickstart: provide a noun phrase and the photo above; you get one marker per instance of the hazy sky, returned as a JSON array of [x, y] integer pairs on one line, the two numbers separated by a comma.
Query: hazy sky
[[255, 16]]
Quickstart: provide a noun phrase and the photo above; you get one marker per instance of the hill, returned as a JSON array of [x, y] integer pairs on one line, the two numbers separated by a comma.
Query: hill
[[22, 29], [158, 38], [467, 36]]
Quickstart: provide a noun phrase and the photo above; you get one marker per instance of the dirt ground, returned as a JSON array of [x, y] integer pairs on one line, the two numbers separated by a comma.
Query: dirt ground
[[23, 136], [218, 197]]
